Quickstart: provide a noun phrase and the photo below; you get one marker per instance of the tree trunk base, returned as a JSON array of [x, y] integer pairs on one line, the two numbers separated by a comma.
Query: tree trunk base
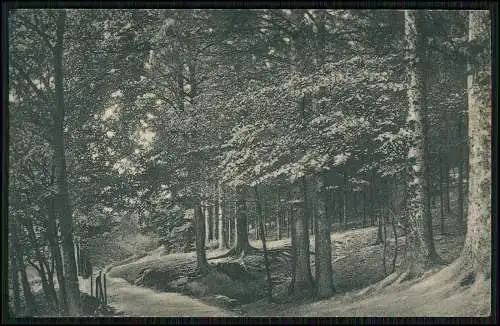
[[325, 294], [301, 290], [203, 269], [465, 274]]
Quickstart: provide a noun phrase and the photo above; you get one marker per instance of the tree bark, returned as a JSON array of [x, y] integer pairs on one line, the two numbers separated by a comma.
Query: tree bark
[[215, 222], [323, 249], [28, 295], [207, 222], [73, 291], [55, 250], [242, 246], [344, 202], [372, 199], [199, 224], [16, 290], [47, 286], [460, 187], [288, 222], [476, 254], [210, 214], [255, 223], [302, 282], [364, 207], [278, 217], [441, 196], [222, 230], [264, 247], [420, 251], [229, 223], [447, 188], [313, 216]]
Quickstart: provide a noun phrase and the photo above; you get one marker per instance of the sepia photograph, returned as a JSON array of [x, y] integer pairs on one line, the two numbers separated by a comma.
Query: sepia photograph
[[248, 162]]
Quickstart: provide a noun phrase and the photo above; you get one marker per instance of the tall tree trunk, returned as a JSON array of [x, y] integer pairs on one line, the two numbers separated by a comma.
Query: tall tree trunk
[[55, 250], [77, 258], [344, 202], [199, 225], [323, 248], [48, 293], [364, 207], [446, 165], [313, 216], [229, 223], [264, 247], [16, 290], [302, 282], [288, 222], [28, 295], [215, 222], [235, 233], [278, 218], [377, 212], [460, 187], [447, 187], [476, 254], [380, 231], [48, 288], [206, 219], [428, 229], [210, 213], [222, 230], [256, 221], [441, 195], [73, 291], [420, 251], [339, 203], [372, 199], [354, 203], [242, 246], [265, 215]]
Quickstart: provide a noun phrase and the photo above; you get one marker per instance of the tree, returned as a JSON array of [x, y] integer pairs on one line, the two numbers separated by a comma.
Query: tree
[[420, 251], [63, 203], [323, 247], [475, 258], [199, 224], [21, 268], [221, 219]]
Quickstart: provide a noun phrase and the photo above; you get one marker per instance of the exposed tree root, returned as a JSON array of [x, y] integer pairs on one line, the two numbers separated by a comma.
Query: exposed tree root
[[465, 275], [237, 252]]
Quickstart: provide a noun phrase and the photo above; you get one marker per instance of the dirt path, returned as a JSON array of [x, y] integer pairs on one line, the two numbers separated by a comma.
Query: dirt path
[[137, 301]]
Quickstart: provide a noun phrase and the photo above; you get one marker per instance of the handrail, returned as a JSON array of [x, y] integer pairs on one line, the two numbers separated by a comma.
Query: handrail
[[100, 291]]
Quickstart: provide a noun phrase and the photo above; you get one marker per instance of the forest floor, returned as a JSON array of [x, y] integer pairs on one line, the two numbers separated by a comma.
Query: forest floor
[[357, 266]]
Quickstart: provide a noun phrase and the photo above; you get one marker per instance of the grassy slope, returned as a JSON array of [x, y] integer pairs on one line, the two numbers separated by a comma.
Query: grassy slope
[[434, 295], [357, 264]]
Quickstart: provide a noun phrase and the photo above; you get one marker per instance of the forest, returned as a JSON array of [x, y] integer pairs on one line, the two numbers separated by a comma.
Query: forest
[[249, 162]]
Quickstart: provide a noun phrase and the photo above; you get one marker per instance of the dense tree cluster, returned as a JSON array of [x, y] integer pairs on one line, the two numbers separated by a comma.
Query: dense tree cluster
[[213, 126]]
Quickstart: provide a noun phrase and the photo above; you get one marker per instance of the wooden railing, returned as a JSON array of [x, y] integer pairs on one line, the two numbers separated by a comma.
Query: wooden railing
[[98, 289]]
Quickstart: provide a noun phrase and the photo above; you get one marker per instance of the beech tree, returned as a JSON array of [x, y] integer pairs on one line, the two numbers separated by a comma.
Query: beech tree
[[475, 259]]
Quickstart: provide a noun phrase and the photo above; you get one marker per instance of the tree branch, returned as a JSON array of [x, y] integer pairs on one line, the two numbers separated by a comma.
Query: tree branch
[[43, 35], [28, 81], [32, 263]]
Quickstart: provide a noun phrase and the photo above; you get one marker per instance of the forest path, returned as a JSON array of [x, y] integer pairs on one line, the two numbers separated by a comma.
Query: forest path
[[131, 300]]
